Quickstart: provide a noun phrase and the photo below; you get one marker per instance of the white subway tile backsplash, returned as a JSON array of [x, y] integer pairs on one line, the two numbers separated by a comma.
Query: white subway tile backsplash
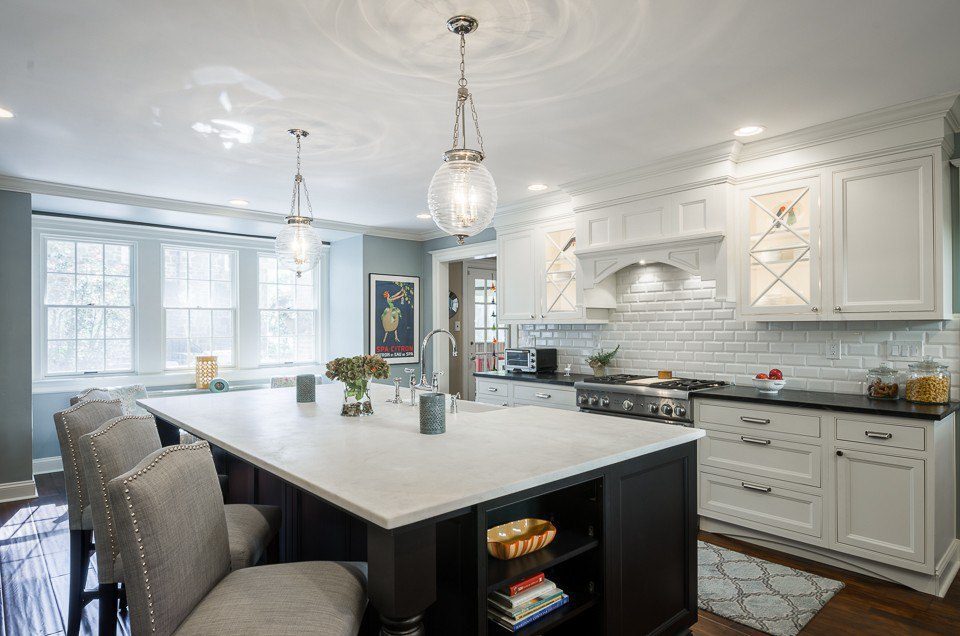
[[667, 319]]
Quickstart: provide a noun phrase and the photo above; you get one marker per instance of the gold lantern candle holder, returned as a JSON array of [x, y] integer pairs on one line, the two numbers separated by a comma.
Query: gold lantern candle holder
[[206, 370]]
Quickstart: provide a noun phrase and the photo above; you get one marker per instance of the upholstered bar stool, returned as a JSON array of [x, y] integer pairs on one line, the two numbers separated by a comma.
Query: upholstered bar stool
[[172, 527], [71, 424], [113, 449]]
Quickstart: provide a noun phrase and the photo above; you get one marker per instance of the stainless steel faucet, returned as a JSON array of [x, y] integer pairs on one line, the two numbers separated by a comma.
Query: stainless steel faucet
[[424, 385]]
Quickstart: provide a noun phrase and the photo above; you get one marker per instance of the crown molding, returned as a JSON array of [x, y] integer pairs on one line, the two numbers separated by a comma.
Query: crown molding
[[50, 188], [938, 107], [724, 151]]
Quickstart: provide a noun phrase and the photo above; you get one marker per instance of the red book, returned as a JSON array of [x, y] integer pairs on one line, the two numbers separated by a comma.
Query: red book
[[525, 584]]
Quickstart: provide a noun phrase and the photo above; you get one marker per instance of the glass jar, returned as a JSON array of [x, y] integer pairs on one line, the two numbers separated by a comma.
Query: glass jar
[[928, 382], [882, 383]]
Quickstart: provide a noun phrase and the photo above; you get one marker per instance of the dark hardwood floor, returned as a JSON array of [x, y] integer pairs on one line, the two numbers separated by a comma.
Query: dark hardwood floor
[[34, 560]]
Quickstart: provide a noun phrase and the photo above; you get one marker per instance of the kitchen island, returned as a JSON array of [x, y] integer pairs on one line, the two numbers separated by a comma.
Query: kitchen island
[[417, 507]]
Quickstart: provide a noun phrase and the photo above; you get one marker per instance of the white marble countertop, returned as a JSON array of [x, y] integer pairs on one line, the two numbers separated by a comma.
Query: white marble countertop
[[383, 470]]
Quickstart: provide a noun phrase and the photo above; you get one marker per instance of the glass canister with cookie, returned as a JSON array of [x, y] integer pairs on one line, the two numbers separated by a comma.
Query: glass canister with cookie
[[883, 383], [928, 382]]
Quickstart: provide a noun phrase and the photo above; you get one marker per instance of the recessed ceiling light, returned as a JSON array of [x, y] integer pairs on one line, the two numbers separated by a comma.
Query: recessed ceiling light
[[748, 131], [537, 187], [423, 215], [6, 114], [240, 202]]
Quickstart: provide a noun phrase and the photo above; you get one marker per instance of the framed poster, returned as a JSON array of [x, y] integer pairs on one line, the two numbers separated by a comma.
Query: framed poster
[[395, 318]]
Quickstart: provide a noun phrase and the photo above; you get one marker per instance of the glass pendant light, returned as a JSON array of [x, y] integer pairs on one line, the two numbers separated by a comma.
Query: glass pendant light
[[463, 197], [298, 245]]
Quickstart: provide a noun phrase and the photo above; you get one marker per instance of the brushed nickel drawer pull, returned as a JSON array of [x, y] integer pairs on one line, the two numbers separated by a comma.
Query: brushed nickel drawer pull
[[754, 440], [755, 487], [876, 435], [753, 420], [492, 389], [543, 396]]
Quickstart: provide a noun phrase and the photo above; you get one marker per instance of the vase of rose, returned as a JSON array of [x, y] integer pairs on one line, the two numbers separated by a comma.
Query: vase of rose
[[356, 373]]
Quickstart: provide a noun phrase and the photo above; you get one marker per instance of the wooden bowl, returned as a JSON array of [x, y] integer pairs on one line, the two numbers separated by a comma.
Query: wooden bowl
[[517, 538]]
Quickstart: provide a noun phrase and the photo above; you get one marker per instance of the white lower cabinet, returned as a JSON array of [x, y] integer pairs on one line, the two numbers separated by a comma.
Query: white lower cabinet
[[517, 393], [872, 493], [880, 503]]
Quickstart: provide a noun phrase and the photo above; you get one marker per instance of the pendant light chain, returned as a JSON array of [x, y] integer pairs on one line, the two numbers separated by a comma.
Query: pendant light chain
[[299, 181], [464, 95]]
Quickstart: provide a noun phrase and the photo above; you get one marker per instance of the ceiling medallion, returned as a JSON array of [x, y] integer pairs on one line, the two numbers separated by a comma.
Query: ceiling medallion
[[462, 197], [298, 246]]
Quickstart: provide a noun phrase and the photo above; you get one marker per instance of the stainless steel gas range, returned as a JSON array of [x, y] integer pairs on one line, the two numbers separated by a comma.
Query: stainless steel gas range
[[641, 397]]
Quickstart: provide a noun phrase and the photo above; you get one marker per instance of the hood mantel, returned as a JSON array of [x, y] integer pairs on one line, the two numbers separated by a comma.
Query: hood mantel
[[697, 254]]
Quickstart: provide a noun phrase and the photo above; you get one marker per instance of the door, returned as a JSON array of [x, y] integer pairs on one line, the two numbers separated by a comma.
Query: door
[[484, 336], [517, 272], [780, 249], [883, 252], [559, 284], [880, 507]]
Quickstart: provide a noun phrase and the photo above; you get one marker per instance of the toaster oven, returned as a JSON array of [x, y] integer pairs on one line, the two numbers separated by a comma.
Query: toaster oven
[[530, 360]]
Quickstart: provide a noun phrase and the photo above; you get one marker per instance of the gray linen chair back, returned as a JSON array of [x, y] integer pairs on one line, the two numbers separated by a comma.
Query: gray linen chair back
[[71, 424], [172, 533], [91, 394], [108, 452]]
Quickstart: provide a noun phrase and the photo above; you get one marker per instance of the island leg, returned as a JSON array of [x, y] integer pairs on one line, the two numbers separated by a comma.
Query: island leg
[[402, 576]]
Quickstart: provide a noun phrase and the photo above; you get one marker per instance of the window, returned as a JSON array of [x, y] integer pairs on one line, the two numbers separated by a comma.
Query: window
[[199, 305], [485, 325], [88, 307], [288, 314]]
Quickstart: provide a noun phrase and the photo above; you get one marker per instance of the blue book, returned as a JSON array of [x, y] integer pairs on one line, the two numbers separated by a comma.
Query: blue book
[[513, 627]]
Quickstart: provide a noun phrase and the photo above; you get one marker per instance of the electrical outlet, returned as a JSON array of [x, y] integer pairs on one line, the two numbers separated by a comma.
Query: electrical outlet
[[833, 350]]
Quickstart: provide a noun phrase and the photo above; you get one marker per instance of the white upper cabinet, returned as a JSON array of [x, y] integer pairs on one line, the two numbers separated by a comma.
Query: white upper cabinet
[[883, 238], [871, 248], [780, 259], [517, 268]]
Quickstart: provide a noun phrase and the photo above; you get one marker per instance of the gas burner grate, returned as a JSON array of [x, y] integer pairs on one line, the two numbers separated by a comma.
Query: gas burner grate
[[620, 378]]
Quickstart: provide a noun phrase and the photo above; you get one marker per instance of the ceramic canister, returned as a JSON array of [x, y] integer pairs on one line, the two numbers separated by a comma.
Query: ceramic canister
[[432, 413], [307, 388]]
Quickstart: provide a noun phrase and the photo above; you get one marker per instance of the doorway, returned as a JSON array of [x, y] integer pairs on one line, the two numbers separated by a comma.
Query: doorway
[[484, 338]]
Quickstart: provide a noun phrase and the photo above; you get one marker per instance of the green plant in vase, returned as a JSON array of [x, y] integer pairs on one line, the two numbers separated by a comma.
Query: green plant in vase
[[599, 361], [356, 373]]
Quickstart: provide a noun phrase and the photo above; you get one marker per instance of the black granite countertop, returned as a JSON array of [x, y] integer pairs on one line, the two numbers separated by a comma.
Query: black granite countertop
[[844, 402], [555, 377]]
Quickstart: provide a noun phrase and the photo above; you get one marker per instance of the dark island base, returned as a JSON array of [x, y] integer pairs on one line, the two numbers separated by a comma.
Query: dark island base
[[625, 551]]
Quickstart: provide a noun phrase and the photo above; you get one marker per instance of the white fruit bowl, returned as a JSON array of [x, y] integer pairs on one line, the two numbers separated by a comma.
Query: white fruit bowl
[[768, 386]]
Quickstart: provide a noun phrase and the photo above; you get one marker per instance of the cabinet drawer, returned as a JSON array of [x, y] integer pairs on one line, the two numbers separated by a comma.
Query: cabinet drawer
[[895, 435], [501, 389], [759, 419], [545, 394], [762, 456], [769, 508], [556, 405], [492, 399]]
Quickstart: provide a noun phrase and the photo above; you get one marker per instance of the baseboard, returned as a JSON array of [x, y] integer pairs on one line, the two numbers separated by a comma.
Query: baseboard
[[45, 465], [17, 490]]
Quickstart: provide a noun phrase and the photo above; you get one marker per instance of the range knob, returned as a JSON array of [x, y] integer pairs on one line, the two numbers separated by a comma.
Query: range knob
[[627, 405], [581, 400], [679, 411], [593, 400], [654, 409], [604, 401], [666, 409]]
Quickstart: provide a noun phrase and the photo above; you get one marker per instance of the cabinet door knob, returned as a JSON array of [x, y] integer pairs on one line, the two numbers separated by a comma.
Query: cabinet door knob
[[837, 309], [815, 309], [839, 453]]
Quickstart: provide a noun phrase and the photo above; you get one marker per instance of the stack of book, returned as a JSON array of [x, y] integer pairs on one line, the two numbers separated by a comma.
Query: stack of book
[[524, 602]]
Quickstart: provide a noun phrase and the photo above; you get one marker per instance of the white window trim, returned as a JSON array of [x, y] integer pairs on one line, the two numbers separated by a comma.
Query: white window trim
[[235, 291], [41, 271], [148, 330], [319, 330]]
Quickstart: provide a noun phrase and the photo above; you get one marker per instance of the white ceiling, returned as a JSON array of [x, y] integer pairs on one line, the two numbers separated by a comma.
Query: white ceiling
[[106, 91]]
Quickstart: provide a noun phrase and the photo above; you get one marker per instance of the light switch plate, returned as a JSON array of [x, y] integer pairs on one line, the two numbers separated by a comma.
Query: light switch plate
[[904, 350], [456, 325], [832, 351]]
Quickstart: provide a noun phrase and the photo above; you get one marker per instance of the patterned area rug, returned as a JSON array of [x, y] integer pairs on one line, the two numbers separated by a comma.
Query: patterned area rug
[[773, 598]]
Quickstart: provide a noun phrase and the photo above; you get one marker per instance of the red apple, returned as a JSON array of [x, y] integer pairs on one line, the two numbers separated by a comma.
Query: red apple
[[763, 376], [775, 374]]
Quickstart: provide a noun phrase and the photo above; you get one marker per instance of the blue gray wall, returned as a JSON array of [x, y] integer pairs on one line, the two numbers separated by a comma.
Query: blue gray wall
[[15, 326], [347, 291]]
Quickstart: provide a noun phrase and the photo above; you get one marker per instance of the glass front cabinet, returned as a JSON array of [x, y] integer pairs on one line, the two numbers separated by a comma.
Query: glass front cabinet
[[780, 249]]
